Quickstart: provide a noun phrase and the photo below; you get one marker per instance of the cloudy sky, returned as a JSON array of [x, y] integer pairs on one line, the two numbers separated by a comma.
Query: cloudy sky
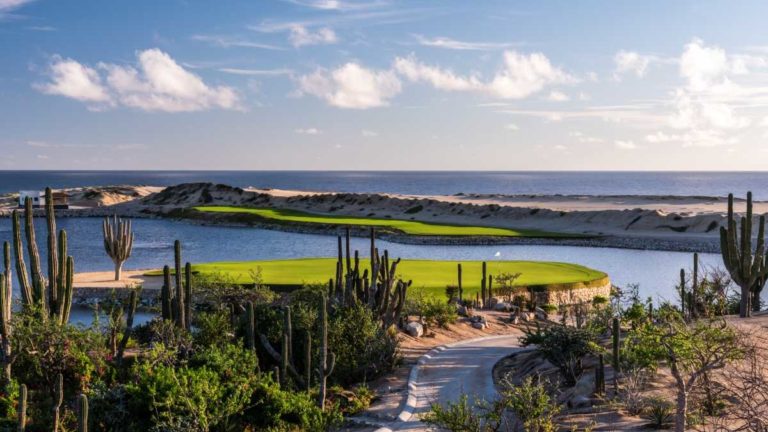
[[384, 84]]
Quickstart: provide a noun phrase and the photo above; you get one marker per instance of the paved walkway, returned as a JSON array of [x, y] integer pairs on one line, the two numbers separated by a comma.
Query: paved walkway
[[445, 373]]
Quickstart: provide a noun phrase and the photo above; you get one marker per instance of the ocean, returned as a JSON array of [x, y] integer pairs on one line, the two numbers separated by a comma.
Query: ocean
[[419, 183]]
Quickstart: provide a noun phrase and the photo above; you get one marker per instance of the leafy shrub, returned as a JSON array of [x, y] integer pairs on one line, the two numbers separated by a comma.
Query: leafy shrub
[[599, 300], [363, 348], [212, 329], [564, 347], [351, 402], [549, 308], [658, 411], [531, 404], [439, 313], [459, 416]]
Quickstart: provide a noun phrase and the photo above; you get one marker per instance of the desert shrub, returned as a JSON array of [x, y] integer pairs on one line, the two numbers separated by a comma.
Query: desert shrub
[[363, 348], [564, 347], [415, 303], [212, 329], [530, 402], [451, 292], [214, 386], [549, 308], [439, 313], [44, 349], [504, 285], [165, 333], [599, 300], [459, 416], [214, 290], [658, 411], [631, 390], [350, 402]]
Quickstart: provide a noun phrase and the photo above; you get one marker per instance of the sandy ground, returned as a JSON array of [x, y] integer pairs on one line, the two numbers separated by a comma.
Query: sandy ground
[[129, 279]]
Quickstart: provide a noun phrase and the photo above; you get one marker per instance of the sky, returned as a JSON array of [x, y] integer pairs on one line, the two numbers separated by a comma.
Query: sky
[[383, 85]]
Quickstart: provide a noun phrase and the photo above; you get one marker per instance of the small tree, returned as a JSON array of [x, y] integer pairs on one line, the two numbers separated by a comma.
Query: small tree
[[505, 285], [564, 347], [692, 352]]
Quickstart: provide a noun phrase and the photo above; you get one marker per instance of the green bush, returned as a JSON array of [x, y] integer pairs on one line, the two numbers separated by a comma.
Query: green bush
[[658, 411], [439, 313], [212, 329], [531, 404], [564, 347]]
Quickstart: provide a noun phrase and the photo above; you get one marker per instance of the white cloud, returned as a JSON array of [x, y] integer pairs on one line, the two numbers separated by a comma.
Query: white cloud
[[582, 138], [625, 145], [351, 86], [9, 5], [338, 5], [74, 80], [557, 96], [368, 133], [300, 36], [230, 42], [158, 83], [560, 147], [630, 61], [256, 72], [521, 76], [309, 131], [512, 127], [448, 43]]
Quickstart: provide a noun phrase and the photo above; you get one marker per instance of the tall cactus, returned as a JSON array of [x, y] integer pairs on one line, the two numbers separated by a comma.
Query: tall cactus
[[461, 288], [284, 358], [179, 308], [133, 301], [5, 324], [21, 410], [82, 413], [327, 360], [58, 400], [483, 283], [118, 241], [188, 296], [744, 264], [53, 251]]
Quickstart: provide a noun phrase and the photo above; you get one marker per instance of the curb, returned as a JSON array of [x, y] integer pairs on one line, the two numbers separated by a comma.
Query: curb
[[406, 414]]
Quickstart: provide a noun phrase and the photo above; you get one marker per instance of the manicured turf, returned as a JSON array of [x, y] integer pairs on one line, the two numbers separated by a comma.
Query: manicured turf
[[405, 226], [433, 276]]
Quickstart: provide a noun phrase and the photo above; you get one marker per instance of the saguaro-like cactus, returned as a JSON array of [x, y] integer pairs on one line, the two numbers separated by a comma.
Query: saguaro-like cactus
[[744, 264], [58, 399], [327, 360], [461, 288], [166, 295], [118, 241], [284, 357], [483, 283], [133, 301], [82, 413], [21, 410]]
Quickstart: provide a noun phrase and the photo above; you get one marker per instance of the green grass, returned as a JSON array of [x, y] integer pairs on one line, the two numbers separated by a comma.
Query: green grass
[[432, 276], [405, 226]]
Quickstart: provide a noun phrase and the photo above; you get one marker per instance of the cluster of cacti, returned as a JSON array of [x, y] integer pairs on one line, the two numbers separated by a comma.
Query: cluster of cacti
[[746, 265], [57, 301], [380, 289], [176, 303], [118, 242], [689, 299], [284, 358]]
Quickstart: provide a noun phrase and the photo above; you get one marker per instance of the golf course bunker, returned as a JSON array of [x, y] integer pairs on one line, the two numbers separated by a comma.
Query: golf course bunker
[[553, 282]]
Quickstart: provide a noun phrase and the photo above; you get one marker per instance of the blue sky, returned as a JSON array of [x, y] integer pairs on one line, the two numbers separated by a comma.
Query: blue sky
[[383, 84]]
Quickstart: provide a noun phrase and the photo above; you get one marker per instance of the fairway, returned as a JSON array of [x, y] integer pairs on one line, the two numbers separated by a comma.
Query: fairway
[[405, 226], [433, 276]]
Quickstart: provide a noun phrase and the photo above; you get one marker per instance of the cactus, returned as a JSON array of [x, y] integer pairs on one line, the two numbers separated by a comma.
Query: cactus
[[82, 413], [683, 294], [600, 375], [166, 295], [58, 399], [118, 241], [5, 327], [179, 299], [744, 264], [308, 360], [461, 289], [758, 286], [21, 410], [133, 301], [327, 360], [616, 334], [188, 296], [53, 298], [250, 327], [284, 357], [483, 282]]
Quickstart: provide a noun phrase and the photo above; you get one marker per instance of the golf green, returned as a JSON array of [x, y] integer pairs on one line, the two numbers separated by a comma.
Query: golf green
[[409, 227], [432, 276]]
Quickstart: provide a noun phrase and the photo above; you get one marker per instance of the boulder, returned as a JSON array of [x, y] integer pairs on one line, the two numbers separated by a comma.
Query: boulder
[[541, 314], [414, 329], [527, 316], [503, 306], [514, 318], [480, 325]]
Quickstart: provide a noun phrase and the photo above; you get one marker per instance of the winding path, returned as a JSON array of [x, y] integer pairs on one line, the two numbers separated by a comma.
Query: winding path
[[446, 372]]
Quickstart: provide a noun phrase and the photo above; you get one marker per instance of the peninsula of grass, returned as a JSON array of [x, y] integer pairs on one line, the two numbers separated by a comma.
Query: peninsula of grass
[[432, 276], [409, 227]]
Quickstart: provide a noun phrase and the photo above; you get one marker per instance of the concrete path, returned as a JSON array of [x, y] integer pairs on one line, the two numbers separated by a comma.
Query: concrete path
[[444, 373]]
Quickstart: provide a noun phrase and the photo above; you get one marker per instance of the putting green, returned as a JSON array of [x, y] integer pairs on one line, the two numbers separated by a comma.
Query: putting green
[[432, 276], [405, 226]]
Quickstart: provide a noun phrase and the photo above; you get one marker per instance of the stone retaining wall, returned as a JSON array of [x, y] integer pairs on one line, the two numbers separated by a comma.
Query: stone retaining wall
[[89, 296]]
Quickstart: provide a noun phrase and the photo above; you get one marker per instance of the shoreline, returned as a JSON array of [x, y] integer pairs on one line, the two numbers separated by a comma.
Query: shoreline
[[647, 222]]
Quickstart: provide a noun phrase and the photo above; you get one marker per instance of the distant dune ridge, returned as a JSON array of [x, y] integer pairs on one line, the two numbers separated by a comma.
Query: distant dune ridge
[[648, 222]]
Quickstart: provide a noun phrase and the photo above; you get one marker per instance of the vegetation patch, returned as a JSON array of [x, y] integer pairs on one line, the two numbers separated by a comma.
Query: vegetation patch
[[397, 225]]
